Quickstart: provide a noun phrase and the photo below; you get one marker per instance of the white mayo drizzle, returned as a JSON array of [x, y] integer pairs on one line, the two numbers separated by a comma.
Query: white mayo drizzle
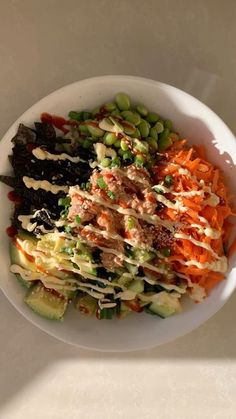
[[219, 265], [108, 235], [105, 303], [151, 219], [196, 242], [29, 226], [41, 154], [43, 184]]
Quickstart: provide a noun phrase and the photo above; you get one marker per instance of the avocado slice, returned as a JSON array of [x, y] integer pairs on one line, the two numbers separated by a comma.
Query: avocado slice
[[45, 303], [18, 257]]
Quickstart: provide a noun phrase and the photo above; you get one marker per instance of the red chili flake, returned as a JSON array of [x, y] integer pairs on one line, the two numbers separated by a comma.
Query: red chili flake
[[11, 231], [14, 198]]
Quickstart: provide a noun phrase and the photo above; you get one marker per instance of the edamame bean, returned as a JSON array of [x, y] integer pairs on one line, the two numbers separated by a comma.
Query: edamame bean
[[124, 145], [144, 128], [164, 141], [87, 115], [174, 136], [159, 127], [95, 131], [109, 138], [128, 128], [116, 112], [152, 117], [123, 101], [136, 134], [168, 124], [83, 128], [153, 146], [164, 134], [142, 110], [76, 116], [106, 162], [153, 133], [111, 106], [117, 143], [141, 146], [132, 117]]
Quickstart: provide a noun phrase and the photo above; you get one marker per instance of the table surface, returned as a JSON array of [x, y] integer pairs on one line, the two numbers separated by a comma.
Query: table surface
[[43, 46]]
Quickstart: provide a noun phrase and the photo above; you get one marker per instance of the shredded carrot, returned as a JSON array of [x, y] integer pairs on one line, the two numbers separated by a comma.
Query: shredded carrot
[[197, 208]]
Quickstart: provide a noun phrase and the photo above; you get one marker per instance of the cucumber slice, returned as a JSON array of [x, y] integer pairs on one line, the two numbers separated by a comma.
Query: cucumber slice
[[45, 303], [137, 285], [142, 255], [165, 305], [86, 304], [25, 284], [124, 311], [133, 269]]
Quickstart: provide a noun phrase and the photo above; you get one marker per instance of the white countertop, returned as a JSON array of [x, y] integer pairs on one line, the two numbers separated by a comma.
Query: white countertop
[[43, 46]]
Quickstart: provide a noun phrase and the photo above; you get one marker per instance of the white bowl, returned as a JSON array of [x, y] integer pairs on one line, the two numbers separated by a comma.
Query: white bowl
[[192, 119]]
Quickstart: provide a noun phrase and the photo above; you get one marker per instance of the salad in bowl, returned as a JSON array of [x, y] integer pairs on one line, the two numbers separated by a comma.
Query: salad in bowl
[[115, 213]]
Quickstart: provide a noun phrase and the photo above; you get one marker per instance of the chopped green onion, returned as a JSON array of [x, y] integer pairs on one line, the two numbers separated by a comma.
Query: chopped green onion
[[111, 195], [64, 202], [158, 190], [64, 213], [169, 180], [127, 155], [87, 143], [67, 250], [115, 162], [131, 223], [85, 186], [101, 183], [78, 219], [67, 228], [166, 251]]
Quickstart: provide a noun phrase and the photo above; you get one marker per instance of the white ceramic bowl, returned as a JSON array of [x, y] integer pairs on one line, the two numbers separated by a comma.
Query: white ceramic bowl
[[193, 120]]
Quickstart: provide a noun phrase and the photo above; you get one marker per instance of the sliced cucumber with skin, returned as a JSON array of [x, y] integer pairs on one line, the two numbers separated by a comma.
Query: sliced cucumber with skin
[[137, 285], [142, 255], [124, 311], [165, 305], [45, 303], [86, 304], [23, 282], [133, 269]]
